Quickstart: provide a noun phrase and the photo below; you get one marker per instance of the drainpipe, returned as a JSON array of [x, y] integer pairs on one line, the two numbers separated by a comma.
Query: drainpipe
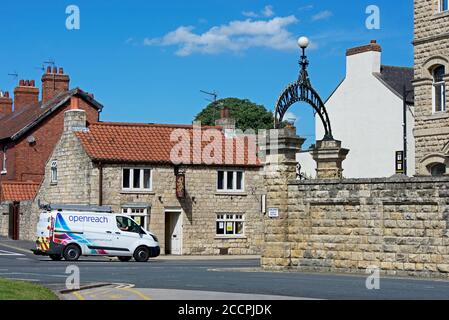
[[100, 184]]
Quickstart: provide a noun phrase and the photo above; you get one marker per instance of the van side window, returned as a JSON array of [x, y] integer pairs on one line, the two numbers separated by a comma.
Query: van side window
[[126, 224]]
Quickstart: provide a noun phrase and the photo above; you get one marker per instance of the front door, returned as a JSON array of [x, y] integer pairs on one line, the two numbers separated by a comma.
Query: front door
[[14, 220], [173, 232]]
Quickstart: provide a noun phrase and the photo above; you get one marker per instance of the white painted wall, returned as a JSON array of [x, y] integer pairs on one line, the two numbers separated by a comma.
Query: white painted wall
[[367, 117]]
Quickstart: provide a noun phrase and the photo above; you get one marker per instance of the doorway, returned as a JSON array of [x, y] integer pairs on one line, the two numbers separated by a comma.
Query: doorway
[[14, 220], [173, 232]]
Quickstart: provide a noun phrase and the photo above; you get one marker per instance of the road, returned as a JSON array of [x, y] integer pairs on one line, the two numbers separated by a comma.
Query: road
[[208, 278]]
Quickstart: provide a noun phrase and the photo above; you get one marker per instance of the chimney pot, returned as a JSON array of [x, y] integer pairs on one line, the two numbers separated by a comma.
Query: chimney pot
[[54, 84], [21, 83], [7, 94], [32, 83], [373, 41], [48, 69]]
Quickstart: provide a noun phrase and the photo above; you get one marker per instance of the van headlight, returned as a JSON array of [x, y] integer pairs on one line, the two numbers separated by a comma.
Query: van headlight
[[154, 237]]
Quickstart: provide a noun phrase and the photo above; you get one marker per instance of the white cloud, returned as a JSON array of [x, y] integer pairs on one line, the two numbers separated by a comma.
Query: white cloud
[[250, 14], [236, 36], [268, 11], [322, 15]]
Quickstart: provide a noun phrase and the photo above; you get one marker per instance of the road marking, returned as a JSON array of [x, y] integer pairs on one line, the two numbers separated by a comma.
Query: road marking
[[78, 296], [9, 253], [32, 274], [136, 292], [19, 279]]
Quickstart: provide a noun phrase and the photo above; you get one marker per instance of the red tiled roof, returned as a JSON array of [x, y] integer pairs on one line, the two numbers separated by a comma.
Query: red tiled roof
[[151, 143], [18, 191]]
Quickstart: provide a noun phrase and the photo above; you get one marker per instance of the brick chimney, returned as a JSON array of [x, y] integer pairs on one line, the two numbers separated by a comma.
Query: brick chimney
[[5, 104], [25, 94], [54, 82], [225, 120], [364, 60]]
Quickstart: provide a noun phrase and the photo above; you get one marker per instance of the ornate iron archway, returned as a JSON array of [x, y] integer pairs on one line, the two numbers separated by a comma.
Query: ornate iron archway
[[302, 91]]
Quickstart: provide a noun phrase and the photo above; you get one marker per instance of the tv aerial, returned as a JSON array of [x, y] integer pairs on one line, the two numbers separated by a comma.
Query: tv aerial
[[213, 95]]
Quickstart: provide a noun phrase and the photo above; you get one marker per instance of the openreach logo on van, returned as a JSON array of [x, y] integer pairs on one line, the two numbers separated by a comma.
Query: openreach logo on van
[[93, 219]]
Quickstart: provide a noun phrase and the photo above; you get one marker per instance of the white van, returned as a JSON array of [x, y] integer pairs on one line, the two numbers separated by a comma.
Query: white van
[[70, 231]]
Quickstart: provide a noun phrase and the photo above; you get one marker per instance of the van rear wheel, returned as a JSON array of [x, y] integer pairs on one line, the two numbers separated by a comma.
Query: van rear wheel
[[56, 257], [142, 254], [72, 252], [124, 259]]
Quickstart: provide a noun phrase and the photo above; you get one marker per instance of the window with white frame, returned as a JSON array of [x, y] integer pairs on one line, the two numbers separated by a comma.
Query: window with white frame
[[139, 215], [54, 172], [4, 171], [439, 90], [136, 179], [443, 5], [230, 225], [230, 181]]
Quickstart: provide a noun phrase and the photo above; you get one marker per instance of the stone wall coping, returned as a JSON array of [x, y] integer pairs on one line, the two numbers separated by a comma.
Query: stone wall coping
[[391, 180]]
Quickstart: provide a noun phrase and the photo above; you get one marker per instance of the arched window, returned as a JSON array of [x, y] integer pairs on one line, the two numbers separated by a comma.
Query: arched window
[[444, 5], [439, 94], [438, 170]]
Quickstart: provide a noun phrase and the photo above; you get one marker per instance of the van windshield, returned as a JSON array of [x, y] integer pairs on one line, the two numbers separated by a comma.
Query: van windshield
[[128, 225]]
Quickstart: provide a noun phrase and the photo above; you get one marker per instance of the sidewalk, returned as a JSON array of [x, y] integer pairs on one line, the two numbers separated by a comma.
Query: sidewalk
[[228, 257], [19, 245]]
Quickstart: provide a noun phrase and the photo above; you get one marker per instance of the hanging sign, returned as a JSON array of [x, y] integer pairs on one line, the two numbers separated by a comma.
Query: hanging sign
[[180, 186]]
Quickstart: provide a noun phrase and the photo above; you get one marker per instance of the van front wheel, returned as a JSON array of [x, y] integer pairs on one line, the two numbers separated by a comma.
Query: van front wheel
[[72, 252], [142, 254]]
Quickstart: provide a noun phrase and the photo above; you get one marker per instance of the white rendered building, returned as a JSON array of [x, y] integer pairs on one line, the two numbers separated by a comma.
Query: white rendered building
[[366, 113]]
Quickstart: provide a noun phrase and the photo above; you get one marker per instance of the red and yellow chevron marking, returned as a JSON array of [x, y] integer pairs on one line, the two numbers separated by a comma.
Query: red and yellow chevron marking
[[43, 244]]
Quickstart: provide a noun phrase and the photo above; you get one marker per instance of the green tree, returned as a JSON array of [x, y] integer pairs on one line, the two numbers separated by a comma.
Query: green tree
[[247, 114]]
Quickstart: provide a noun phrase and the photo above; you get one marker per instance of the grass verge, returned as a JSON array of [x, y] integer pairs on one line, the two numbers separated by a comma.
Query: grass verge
[[21, 290]]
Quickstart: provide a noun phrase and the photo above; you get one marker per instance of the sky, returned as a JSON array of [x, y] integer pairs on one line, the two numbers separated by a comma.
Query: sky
[[147, 60]]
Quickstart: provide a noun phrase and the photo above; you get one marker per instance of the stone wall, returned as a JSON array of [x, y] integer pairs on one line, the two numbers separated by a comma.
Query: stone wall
[[4, 220], [431, 49], [398, 225]]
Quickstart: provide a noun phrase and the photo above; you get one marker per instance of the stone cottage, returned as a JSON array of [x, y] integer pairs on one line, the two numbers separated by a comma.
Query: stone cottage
[[195, 200]]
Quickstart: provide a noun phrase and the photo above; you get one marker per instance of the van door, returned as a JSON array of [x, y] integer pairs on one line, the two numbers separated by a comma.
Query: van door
[[126, 236], [99, 234]]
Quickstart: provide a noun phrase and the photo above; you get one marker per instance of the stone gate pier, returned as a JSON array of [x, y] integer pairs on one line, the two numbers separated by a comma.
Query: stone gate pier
[[398, 224]]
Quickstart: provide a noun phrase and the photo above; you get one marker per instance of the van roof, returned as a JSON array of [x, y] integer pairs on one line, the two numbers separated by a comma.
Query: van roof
[[75, 207]]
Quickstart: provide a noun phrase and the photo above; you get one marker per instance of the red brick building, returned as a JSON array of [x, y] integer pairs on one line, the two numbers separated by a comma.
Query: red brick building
[[30, 128]]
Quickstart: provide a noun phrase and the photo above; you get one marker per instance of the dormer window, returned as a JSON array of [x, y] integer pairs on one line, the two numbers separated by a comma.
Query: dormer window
[[439, 92]]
